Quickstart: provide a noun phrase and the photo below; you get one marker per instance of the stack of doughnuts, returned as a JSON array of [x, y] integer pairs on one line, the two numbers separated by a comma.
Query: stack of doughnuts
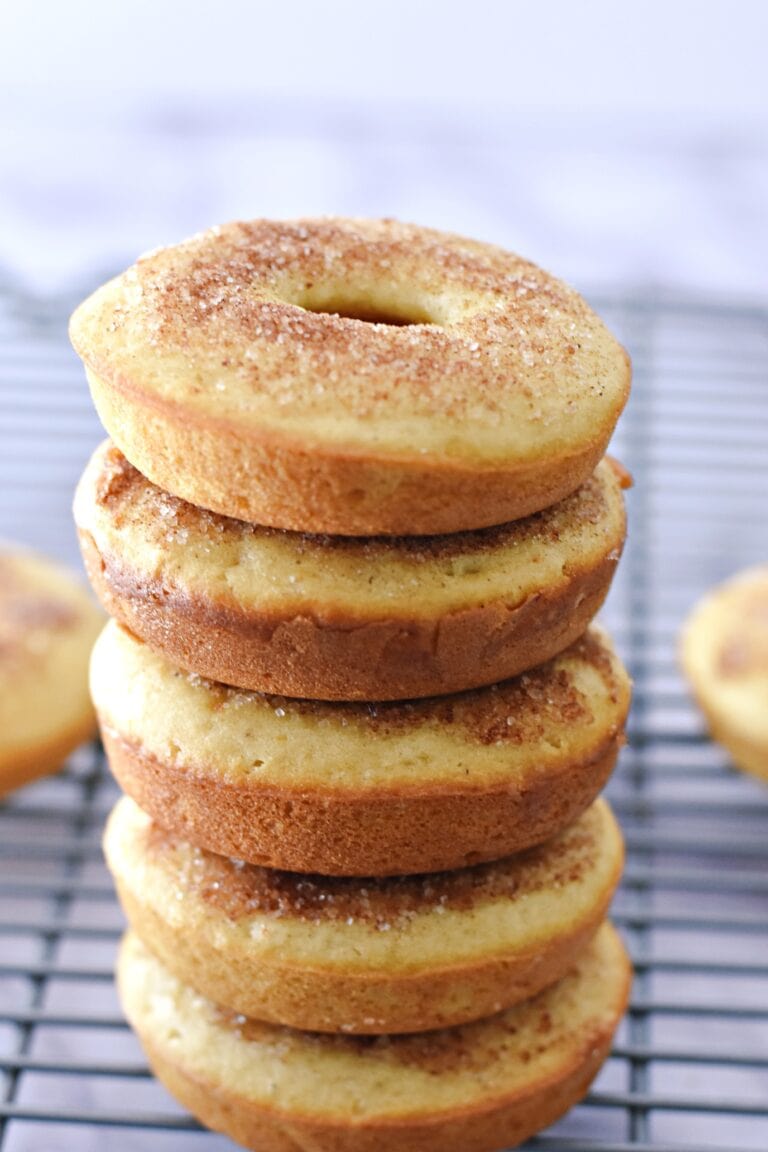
[[352, 526]]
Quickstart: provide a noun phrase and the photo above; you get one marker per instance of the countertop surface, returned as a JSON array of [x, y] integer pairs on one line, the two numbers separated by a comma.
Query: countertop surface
[[597, 197]]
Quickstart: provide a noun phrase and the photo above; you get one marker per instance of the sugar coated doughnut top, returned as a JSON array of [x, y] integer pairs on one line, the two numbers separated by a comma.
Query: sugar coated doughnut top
[[353, 376]]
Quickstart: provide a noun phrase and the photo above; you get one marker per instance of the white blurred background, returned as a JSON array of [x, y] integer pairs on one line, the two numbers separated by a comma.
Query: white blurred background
[[615, 144]]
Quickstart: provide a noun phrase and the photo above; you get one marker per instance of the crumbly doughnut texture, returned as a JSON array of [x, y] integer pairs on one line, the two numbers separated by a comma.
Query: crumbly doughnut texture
[[724, 654], [355, 377], [48, 624], [340, 618], [361, 789], [403, 954], [474, 1088]]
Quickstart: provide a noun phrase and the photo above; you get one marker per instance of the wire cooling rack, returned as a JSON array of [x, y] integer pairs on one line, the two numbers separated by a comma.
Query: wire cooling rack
[[689, 1069]]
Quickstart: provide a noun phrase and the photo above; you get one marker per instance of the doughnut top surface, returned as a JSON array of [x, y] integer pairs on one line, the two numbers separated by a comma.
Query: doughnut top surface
[[240, 322], [242, 891], [563, 711], [356, 377], [451, 1075]]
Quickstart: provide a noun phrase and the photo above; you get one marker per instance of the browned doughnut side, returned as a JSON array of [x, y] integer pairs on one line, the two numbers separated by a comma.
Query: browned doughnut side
[[345, 833], [506, 1123], [223, 467], [323, 1001], [514, 1073], [345, 657]]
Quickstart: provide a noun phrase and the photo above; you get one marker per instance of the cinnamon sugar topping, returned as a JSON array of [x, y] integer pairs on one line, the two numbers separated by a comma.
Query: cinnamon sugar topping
[[527, 709], [441, 1052], [275, 304], [237, 889], [132, 498]]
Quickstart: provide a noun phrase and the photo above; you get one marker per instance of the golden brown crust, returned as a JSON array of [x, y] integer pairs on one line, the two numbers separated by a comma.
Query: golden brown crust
[[344, 658], [374, 956], [505, 1125], [330, 1002], [561, 710], [516, 1073], [218, 370], [304, 491], [340, 833], [327, 645], [363, 789]]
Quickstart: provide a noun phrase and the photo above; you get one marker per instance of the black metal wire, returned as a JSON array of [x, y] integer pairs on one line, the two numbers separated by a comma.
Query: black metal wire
[[689, 1069]]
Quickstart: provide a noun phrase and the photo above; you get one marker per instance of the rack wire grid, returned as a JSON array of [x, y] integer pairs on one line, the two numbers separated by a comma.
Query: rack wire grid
[[689, 1068]]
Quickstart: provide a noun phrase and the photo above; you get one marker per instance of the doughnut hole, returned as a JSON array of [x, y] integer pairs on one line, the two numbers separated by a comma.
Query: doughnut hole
[[379, 304]]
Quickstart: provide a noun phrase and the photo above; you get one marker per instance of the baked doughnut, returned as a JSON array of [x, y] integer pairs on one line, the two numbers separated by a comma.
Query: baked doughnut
[[725, 657], [355, 377], [361, 789], [48, 624], [405, 954], [473, 1088], [340, 618]]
